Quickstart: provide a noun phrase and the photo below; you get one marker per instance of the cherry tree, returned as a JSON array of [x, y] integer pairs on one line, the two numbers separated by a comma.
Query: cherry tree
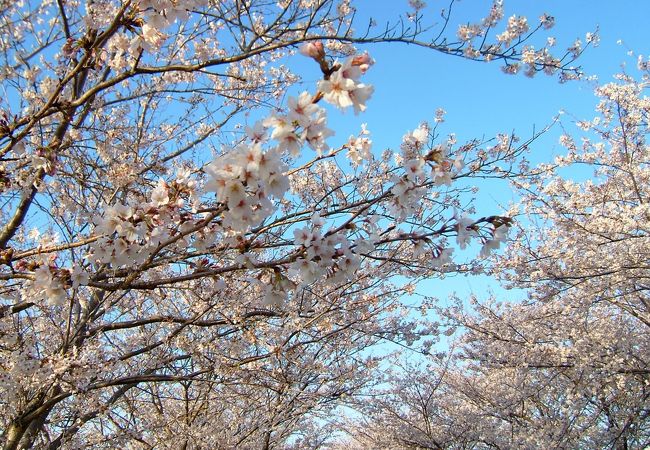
[[187, 258], [568, 367]]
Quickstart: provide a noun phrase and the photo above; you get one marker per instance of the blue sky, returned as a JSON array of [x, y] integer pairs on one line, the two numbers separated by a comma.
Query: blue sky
[[411, 82]]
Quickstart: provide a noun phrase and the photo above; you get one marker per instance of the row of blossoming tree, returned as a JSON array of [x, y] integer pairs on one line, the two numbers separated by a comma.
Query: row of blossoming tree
[[176, 274], [569, 365]]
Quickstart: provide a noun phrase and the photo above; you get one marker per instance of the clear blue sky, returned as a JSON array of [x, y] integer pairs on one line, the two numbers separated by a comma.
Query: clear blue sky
[[411, 82]]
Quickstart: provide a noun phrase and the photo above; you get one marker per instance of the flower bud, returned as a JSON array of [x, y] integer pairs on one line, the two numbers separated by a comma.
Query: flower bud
[[313, 50], [363, 61]]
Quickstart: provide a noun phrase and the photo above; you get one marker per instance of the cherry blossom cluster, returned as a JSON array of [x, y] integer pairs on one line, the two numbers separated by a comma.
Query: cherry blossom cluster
[[422, 164], [515, 29], [47, 286], [245, 179], [359, 147], [130, 233], [329, 253], [342, 89], [305, 123]]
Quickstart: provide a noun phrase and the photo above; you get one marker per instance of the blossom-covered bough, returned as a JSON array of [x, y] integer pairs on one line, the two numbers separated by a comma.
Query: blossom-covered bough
[[569, 366], [177, 273]]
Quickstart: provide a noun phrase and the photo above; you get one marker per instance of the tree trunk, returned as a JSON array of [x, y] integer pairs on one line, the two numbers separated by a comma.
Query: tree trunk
[[13, 435]]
